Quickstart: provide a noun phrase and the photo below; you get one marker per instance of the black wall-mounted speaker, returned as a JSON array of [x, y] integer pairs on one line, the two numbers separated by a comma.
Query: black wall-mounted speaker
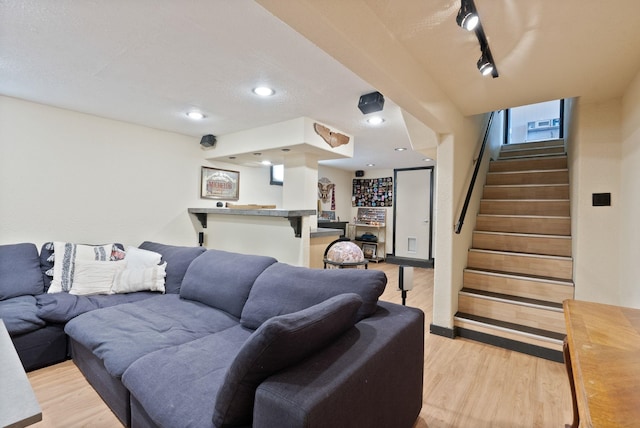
[[371, 102], [359, 173], [208, 140]]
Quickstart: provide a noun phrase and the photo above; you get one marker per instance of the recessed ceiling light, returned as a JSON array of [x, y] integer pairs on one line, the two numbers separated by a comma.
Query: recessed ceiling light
[[266, 162], [286, 150], [257, 154], [232, 157], [371, 164], [375, 120], [263, 91], [427, 159], [400, 149], [195, 115]]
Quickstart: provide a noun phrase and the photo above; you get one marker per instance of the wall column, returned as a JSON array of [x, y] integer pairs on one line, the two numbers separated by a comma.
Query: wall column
[[299, 191]]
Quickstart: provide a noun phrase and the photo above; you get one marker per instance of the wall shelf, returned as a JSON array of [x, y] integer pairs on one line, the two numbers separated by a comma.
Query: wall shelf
[[294, 216]]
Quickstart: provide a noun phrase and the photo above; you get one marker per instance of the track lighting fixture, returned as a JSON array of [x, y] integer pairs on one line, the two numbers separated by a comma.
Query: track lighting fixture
[[468, 19], [484, 65], [467, 16]]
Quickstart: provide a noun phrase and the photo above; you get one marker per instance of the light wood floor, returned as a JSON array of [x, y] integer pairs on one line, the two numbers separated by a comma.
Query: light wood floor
[[466, 384]]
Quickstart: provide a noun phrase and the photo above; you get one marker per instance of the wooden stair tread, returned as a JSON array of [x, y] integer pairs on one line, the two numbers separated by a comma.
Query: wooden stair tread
[[526, 216], [528, 156], [537, 151], [508, 298], [521, 276], [538, 143], [510, 253], [523, 235], [513, 253], [525, 200], [522, 164], [530, 171], [512, 326], [508, 186], [551, 155]]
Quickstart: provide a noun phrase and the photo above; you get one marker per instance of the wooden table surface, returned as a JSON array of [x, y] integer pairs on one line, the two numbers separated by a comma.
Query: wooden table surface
[[604, 344]]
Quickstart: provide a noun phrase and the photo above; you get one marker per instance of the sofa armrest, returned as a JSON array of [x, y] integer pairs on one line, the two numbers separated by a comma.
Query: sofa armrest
[[371, 376]]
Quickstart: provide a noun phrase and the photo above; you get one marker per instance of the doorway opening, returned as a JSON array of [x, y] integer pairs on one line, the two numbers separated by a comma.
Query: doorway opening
[[413, 217]]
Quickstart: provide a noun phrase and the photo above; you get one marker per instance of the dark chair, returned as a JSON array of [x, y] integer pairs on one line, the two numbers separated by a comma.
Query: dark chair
[[340, 264]]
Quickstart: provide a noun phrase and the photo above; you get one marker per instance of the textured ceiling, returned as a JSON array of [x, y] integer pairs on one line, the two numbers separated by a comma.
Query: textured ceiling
[[149, 61]]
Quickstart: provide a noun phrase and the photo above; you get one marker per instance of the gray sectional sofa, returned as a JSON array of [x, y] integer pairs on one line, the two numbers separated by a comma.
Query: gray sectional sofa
[[35, 319], [243, 340]]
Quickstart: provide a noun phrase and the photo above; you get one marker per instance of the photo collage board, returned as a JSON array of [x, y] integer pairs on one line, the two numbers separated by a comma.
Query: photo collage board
[[372, 192]]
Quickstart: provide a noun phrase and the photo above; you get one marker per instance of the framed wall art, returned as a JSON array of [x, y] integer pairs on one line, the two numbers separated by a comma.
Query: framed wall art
[[369, 251], [372, 192], [219, 184]]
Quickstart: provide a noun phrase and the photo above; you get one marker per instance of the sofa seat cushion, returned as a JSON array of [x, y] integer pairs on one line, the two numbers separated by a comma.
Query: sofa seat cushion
[[217, 387], [177, 386], [19, 315], [61, 307], [223, 279], [20, 273], [178, 260], [283, 289], [119, 335]]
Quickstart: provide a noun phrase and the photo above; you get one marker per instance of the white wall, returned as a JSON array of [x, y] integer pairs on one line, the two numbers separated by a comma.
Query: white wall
[[76, 177], [629, 199], [456, 154], [343, 182], [595, 164]]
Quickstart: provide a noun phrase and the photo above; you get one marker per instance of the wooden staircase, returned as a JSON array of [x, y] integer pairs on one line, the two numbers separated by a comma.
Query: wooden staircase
[[519, 269]]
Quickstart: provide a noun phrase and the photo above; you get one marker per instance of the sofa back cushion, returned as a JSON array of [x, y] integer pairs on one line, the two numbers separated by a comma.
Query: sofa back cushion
[[20, 273], [223, 279], [178, 260], [279, 343], [283, 289]]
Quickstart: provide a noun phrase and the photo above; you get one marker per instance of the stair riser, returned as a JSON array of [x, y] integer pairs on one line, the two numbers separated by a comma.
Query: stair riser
[[518, 264], [505, 154], [531, 208], [503, 311], [512, 335], [526, 192], [533, 177], [520, 287], [550, 246], [541, 225], [538, 164]]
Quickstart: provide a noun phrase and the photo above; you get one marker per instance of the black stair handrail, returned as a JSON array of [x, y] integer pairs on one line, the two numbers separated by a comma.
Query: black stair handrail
[[463, 214]]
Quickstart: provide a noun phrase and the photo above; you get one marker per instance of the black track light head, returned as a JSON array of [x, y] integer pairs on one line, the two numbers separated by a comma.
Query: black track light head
[[467, 16], [485, 66]]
